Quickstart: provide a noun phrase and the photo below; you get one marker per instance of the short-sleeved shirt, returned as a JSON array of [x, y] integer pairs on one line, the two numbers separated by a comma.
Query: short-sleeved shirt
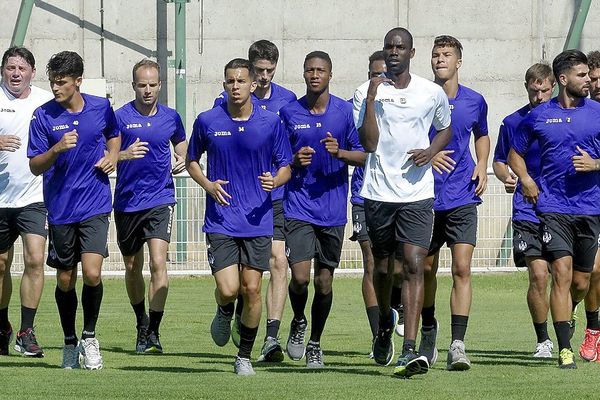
[[278, 98], [74, 189], [18, 186], [356, 184], [239, 152], [404, 117], [147, 182], [558, 131], [522, 210], [318, 193], [469, 117]]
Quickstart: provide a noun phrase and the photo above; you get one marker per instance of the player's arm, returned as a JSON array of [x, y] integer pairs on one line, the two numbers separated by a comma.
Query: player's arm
[[422, 156], [500, 163], [214, 189], [269, 182], [42, 162], [482, 152], [180, 150], [583, 162], [504, 174], [351, 157], [108, 163], [517, 164], [368, 131], [137, 149]]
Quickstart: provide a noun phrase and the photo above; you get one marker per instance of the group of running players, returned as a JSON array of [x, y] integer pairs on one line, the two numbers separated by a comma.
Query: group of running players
[[277, 186]]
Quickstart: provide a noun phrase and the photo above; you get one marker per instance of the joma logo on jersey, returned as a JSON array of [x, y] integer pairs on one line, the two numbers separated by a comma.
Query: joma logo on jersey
[[556, 120], [7, 110], [133, 126], [389, 100], [222, 133], [59, 127], [301, 126]]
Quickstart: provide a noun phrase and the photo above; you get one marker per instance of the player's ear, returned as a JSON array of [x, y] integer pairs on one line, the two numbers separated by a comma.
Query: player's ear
[[78, 82]]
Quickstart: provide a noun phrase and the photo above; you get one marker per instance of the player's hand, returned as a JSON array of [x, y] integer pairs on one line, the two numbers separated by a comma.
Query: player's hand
[[107, 163], [510, 183], [303, 157], [216, 191], [179, 166], [9, 143], [137, 149], [480, 174], [584, 162], [442, 162], [267, 181], [331, 144], [67, 142], [374, 84], [530, 190], [420, 156]]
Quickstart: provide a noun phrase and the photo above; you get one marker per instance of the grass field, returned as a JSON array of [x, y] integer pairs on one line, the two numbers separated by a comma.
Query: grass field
[[500, 341]]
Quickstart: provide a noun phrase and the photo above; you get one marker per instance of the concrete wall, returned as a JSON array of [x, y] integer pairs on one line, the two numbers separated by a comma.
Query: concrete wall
[[501, 39]]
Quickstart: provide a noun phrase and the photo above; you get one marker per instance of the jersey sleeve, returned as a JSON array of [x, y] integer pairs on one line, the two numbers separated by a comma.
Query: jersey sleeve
[[503, 144], [524, 135], [38, 136], [178, 135], [441, 117], [352, 139], [481, 126], [220, 99], [197, 145], [112, 127], [282, 151], [358, 108]]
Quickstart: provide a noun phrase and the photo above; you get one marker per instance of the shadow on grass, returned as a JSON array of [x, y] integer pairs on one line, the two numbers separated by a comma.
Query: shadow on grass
[[506, 357], [169, 354], [33, 363], [346, 353], [345, 370], [175, 370]]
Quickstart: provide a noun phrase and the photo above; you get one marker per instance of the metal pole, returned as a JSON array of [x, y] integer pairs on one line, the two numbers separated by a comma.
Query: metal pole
[[18, 37], [574, 36], [180, 105]]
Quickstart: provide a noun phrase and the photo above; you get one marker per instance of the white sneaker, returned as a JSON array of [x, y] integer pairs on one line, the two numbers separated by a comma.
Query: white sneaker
[[70, 357], [90, 353], [544, 349]]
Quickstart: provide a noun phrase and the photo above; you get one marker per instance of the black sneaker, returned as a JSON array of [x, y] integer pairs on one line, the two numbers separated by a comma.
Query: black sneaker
[[142, 339], [27, 344], [383, 346], [295, 344], [314, 356], [5, 338], [410, 363], [153, 345]]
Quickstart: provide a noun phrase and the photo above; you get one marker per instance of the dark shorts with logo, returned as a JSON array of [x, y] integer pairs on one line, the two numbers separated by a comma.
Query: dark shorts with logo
[[224, 251], [278, 221], [135, 228], [526, 242], [21, 221], [458, 225], [570, 235], [359, 224], [305, 241]]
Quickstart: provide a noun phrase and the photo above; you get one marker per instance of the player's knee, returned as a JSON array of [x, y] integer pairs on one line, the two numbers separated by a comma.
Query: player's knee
[[92, 278], [251, 291], [323, 285], [461, 271], [34, 260]]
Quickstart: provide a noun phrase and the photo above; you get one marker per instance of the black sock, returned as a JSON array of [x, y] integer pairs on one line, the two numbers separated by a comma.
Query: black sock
[[239, 307], [298, 302], [574, 305], [27, 317], [541, 331], [247, 338], [396, 300], [592, 320], [141, 318], [373, 316], [458, 326], [428, 316], [319, 312], [273, 327], [4, 318], [91, 299], [562, 335], [67, 310], [155, 318], [408, 345], [227, 309]]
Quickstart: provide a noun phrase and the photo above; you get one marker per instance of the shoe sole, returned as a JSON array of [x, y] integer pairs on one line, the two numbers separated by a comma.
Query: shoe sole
[[93, 368], [542, 355], [274, 356], [460, 365], [568, 366], [26, 353], [296, 358], [153, 350], [315, 366], [416, 367], [400, 330]]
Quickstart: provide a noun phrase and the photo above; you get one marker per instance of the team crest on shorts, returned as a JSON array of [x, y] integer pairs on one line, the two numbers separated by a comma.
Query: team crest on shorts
[[357, 227], [546, 237], [287, 251], [598, 240], [522, 245], [211, 259]]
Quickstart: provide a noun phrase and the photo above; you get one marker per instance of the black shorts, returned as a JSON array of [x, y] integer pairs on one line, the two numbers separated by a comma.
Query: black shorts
[[359, 224], [526, 242], [278, 221], [21, 221], [67, 242], [570, 235], [390, 224], [458, 225], [305, 241], [134, 228], [224, 251]]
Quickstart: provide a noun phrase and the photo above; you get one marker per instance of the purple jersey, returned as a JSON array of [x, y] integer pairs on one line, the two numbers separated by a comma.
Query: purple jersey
[[558, 131], [356, 184], [74, 190], [147, 182], [522, 210], [279, 97], [239, 152], [318, 193], [469, 116]]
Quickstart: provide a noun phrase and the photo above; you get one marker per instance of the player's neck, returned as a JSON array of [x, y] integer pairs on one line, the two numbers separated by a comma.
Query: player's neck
[[74, 104], [401, 79], [450, 86], [317, 102], [566, 100], [146, 109], [21, 96], [240, 112], [263, 93]]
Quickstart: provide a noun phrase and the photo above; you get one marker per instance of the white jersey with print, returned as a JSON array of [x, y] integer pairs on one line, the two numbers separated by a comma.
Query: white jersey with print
[[404, 117], [18, 186]]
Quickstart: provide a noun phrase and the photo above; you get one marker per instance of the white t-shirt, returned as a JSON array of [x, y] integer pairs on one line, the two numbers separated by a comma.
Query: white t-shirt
[[404, 117], [18, 186]]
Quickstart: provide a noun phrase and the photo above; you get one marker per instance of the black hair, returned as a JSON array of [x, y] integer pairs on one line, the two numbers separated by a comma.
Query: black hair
[[319, 54], [567, 60], [65, 63], [19, 51], [263, 50], [239, 63]]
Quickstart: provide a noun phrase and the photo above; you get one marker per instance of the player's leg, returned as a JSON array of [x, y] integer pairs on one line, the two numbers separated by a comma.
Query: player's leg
[[6, 331], [429, 324], [157, 291], [537, 301], [591, 343]]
